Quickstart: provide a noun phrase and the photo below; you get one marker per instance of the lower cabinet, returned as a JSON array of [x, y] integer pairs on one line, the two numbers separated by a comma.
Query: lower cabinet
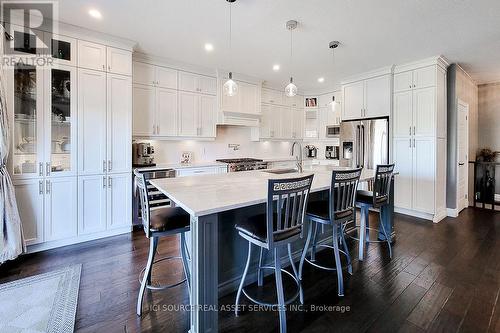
[[104, 202], [281, 122], [29, 197]]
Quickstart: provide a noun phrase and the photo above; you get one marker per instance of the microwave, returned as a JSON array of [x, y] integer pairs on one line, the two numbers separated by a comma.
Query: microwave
[[332, 131]]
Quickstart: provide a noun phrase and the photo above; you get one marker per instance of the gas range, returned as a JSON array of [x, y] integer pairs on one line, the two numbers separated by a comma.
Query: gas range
[[243, 164]]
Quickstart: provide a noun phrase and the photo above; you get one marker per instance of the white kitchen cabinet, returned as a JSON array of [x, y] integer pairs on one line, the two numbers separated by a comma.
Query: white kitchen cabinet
[[166, 112], [91, 122], [188, 114], [419, 78], [144, 110], [403, 158], [62, 49], [270, 122], [271, 96], [119, 61], [143, 73], [166, 77], [60, 208], [119, 123], [91, 55], [403, 113], [248, 98], [403, 81], [197, 83], [207, 116], [298, 123], [353, 97], [29, 197], [424, 106], [423, 174], [119, 200], [91, 204], [286, 120]]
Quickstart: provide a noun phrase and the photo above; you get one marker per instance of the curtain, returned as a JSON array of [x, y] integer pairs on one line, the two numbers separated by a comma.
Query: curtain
[[11, 235]]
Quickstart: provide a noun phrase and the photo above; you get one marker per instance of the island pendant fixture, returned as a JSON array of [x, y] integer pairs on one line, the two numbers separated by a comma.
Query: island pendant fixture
[[332, 46], [230, 88], [291, 88]]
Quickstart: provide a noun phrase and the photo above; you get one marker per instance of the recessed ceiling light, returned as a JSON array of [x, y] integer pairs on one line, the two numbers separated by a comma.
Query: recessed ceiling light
[[276, 68], [321, 79], [209, 47], [95, 13]]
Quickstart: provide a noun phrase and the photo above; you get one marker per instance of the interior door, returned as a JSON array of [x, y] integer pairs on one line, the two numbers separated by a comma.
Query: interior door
[[119, 197], [119, 123], [207, 116], [144, 110], [423, 175], [463, 149], [188, 114], [91, 204], [29, 198], [166, 112], [91, 122], [403, 160], [353, 100], [60, 208]]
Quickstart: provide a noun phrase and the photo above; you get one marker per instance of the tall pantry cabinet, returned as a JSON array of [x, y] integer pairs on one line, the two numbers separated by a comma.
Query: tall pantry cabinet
[[419, 138], [70, 120]]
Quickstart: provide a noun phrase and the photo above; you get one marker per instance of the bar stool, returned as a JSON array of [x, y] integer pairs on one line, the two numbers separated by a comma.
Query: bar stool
[[279, 227], [157, 223], [379, 197], [338, 209]]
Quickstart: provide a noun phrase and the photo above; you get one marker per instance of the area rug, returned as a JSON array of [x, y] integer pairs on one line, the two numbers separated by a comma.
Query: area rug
[[40, 303]]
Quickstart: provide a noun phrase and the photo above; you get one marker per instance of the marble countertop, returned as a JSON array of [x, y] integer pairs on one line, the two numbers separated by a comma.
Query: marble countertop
[[182, 166], [208, 194]]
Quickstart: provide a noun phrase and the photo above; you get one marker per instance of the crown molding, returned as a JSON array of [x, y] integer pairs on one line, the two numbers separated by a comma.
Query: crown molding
[[440, 61]]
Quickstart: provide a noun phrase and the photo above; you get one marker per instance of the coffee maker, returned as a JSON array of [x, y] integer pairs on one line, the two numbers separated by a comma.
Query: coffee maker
[[311, 151], [142, 154], [332, 152]]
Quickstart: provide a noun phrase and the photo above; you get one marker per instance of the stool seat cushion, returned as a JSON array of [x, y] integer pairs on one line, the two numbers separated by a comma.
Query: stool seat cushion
[[256, 227], [321, 210], [167, 219], [366, 197]]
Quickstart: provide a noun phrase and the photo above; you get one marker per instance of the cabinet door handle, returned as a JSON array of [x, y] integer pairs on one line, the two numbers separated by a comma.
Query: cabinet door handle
[[40, 169], [109, 165], [460, 164], [103, 165], [109, 68], [40, 187], [413, 142], [414, 130], [103, 181], [109, 182], [47, 168], [410, 142], [47, 187], [154, 129]]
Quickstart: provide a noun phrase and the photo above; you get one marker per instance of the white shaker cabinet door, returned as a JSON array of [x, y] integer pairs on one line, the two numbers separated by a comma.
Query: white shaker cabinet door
[[286, 120], [249, 98], [166, 77], [143, 110], [91, 122], [266, 122], [207, 85], [403, 160], [29, 198], [60, 208], [91, 55], [119, 200], [403, 81], [207, 116], [378, 97], [91, 204], [188, 82], [143, 73], [119, 61], [424, 175], [424, 111], [402, 116], [353, 97], [424, 77], [188, 114], [119, 123], [166, 112]]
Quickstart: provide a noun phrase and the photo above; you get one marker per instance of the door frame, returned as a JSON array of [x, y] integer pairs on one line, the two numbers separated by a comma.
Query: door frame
[[460, 207]]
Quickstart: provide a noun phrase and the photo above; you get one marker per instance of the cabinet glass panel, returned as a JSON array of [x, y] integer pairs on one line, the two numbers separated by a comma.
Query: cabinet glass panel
[[25, 120], [61, 49], [24, 42], [61, 118]]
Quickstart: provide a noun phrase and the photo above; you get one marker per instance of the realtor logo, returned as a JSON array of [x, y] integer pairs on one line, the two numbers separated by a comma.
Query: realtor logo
[[29, 24]]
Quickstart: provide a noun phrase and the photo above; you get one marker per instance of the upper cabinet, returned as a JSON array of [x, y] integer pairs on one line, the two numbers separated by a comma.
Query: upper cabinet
[[62, 49], [271, 96], [197, 83], [369, 98], [91, 55], [152, 75], [119, 61], [415, 79], [242, 109]]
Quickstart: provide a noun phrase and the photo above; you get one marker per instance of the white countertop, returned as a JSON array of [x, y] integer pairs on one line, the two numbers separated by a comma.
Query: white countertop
[[182, 166], [209, 194]]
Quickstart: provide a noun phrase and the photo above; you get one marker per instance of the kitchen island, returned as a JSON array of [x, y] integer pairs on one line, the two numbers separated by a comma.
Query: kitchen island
[[216, 203]]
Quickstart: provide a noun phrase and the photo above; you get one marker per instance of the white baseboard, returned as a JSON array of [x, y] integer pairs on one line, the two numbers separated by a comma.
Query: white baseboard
[[75, 240], [425, 216], [439, 216], [452, 212]]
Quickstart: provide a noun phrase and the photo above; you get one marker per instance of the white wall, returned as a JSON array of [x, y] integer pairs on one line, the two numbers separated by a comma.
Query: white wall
[[170, 151]]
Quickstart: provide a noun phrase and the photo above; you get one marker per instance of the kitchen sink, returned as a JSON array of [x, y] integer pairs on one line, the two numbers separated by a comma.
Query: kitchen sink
[[281, 171]]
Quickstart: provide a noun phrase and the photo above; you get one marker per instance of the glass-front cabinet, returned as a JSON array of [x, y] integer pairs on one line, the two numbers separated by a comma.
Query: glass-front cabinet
[[43, 119]]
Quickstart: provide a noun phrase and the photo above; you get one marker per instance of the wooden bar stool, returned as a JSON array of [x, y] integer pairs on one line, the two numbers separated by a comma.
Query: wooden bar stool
[[157, 223], [379, 197], [338, 209], [279, 227]]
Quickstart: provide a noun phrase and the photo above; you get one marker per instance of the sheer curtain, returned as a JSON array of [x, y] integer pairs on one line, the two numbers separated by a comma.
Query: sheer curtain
[[11, 235]]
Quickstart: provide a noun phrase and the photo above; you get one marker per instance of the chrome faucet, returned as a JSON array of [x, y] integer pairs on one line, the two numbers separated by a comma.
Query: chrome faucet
[[299, 157]]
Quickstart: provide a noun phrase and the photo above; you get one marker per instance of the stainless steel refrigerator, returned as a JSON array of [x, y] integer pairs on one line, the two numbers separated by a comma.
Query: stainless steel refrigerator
[[364, 143]]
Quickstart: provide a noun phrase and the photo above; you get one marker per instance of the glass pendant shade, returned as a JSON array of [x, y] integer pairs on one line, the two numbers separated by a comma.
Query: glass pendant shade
[[291, 89], [230, 88]]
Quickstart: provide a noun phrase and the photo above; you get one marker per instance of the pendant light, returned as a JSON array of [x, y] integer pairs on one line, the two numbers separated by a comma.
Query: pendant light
[[230, 88], [291, 88], [332, 46]]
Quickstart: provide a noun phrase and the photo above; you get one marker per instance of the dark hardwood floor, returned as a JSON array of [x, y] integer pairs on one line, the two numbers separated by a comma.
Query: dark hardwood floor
[[443, 278]]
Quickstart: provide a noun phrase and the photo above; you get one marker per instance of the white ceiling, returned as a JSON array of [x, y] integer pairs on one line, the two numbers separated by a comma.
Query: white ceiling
[[373, 34]]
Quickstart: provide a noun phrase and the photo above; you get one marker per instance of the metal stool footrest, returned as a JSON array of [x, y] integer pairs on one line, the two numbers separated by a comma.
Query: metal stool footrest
[[367, 239], [292, 299], [160, 287], [324, 267]]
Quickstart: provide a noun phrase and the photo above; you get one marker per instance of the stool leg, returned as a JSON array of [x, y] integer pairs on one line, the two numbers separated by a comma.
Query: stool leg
[[295, 273], [153, 243], [242, 283], [185, 265], [386, 235], [260, 272], [367, 224], [338, 264], [346, 249], [315, 235], [304, 252], [362, 233], [279, 287], [154, 255]]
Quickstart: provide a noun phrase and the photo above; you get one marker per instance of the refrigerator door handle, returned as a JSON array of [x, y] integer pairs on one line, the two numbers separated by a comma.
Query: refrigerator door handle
[[362, 142], [358, 139]]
